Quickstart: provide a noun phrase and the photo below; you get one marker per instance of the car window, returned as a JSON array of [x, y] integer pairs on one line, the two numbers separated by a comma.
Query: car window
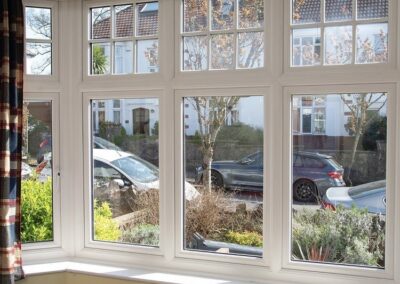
[[312, 163], [137, 169], [367, 188], [103, 171], [297, 161]]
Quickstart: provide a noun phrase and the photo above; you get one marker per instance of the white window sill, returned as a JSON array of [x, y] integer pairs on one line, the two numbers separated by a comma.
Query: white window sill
[[120, 273]]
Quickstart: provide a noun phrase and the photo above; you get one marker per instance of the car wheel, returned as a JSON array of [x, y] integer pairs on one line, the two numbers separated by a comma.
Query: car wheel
[[217, 180], [304, 190]]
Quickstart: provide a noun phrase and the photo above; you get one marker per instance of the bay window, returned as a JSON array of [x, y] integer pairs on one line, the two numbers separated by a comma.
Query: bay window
[[224, 161]]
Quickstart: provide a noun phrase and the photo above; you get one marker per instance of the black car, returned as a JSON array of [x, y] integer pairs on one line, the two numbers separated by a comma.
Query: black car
[[313, 174]]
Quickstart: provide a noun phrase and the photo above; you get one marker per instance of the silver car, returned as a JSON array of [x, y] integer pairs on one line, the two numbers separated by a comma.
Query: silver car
[[370, 196]]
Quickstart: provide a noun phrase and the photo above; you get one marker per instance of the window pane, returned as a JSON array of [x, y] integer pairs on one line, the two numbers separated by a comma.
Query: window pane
[[123, 20], [306, 11], [222, 12], [372, 9], [37, 173], [195, 15], [195, 53], [338, 45], [147, 56], [251, 50], [224, 214], [147, 19], [306, 47], [123, 57], [222, 51], [372, 43], [38, 23], [338, 10], [101, 22], [100, 58], [125, 174], [251, 13], [339, 187], [38, 58]]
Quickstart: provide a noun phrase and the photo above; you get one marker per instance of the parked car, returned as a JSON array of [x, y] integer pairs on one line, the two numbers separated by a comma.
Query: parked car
[[128, 170], [26, 171], [313, 174], [124, 169], [371, 196]]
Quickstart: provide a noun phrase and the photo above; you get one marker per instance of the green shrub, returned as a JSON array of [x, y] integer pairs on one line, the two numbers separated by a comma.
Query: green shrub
[[105, 228], [37, 210], [144, 234], [350, 236], [245, 238]]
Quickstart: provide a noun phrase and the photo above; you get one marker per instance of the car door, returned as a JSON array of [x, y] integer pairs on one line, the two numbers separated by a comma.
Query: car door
[[249, 174]]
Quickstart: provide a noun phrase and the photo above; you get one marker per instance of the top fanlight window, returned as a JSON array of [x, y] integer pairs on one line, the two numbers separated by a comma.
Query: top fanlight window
[[222, 34], [339, 32], [123, 39]]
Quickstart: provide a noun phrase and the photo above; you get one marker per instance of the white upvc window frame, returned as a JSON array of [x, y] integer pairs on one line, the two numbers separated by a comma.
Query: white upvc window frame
[[180, 251], [52, 98], [88, 204], [87, 41], [53, 6], [392, 183], [354, 22]]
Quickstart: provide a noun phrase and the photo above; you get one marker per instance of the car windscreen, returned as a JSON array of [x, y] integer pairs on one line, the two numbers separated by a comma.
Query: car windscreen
[[368, 187], [137, 169], [101, 143]]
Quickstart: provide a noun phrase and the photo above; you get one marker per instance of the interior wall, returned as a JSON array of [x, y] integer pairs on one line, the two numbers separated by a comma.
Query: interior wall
[[73, 278]]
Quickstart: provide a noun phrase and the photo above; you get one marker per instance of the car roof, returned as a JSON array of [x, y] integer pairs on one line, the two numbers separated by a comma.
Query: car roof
[[109, 155], [312, 154]]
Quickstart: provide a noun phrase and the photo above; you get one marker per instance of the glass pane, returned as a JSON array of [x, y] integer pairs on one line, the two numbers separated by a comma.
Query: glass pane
[[195, 53], [101, 22], [306, 11], [338, 10], [372, 43], [100, 58], [125, 175], [251, 13], [372, 9], [38, 23], [338, 45], [251, 50], [306, 47], [38, 58], [123, 54], [123, 20], [147, 19], [195, 15], [222, 51], [222, 12], [339, 187], [37, 173], [147, 56], [224, 180]]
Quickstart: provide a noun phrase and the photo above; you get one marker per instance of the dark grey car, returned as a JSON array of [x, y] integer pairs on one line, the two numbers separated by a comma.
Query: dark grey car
[[313, 174]]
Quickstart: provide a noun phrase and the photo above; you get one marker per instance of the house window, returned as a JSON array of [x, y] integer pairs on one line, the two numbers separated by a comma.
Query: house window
[[348, 33], [309, 115], [123, 39], [125, 182], [222, 34], [221, 165], [339, 183], [141, 121], [39, 41], [37, 172]]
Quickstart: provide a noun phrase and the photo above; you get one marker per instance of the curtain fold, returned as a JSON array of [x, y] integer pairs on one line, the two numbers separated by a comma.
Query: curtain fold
[[11, 103]]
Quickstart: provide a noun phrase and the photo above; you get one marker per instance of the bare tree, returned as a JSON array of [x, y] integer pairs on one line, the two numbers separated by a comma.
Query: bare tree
[[211, 116], [358, 106]]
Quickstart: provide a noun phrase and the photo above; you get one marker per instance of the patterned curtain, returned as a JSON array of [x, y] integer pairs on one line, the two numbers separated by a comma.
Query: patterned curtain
[[11, 103]]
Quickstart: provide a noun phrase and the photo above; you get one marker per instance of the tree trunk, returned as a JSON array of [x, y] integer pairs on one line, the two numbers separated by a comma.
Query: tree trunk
[[207, 160], [353, 157]]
